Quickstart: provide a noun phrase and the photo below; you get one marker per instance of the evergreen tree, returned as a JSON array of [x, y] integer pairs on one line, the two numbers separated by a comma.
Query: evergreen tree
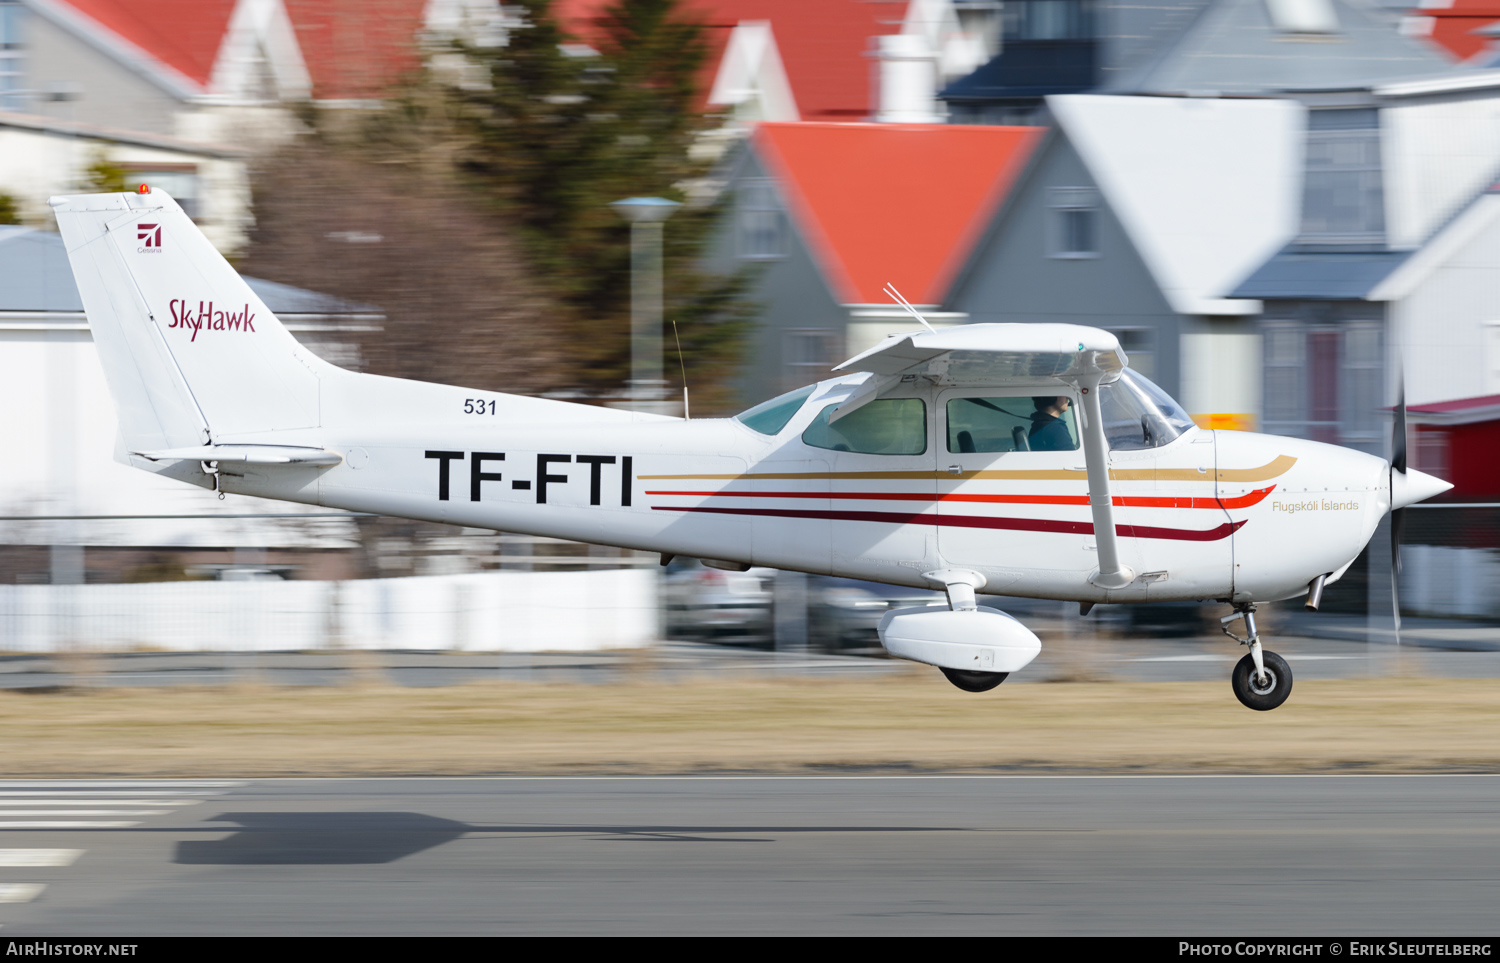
[[555, 137]]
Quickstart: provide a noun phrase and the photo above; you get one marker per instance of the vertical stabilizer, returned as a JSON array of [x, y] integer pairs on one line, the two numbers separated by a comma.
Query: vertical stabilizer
[[191, 354]]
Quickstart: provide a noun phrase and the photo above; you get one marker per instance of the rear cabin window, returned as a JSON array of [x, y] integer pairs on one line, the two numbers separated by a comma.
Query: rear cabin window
[[1010, 424], [885, 426]]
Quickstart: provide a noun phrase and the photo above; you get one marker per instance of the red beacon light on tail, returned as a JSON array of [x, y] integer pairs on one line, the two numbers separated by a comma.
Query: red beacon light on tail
[[143, 189]]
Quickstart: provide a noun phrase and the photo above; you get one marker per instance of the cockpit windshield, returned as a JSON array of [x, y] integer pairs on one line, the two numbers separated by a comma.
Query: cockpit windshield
[[769, 417], [1138, 414]]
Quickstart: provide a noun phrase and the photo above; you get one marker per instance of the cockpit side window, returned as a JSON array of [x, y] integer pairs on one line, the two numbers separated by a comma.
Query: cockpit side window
[[769, 417], [1042, 423], [885, 426], [1139, 415]]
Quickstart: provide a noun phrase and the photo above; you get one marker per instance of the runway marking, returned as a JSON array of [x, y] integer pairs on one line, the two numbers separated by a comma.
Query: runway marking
[[79, 797], [66, 824], [171, 785], [11, 858], [86, 812], [98, 793], [96, 801], [20, 892]]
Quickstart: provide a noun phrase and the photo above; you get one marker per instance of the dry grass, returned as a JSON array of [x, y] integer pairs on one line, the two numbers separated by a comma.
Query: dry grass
[[910, 722]]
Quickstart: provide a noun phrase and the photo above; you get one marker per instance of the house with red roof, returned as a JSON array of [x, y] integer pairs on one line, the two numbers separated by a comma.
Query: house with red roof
[[145, 65], [824, 60], [1459, 441], [1464, 29], [179, 93], [1136, 215], [155, 65], [826, 215]]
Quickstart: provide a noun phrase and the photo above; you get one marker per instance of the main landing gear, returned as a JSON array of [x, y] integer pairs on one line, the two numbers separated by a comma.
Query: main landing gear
[[974, 681], [1262, 680]]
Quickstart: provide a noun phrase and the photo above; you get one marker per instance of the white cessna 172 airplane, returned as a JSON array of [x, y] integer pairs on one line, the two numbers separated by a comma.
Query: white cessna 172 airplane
[[1015, 459]]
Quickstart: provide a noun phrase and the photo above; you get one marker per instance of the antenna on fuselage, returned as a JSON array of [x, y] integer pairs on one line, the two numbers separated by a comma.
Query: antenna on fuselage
[[894, 295]]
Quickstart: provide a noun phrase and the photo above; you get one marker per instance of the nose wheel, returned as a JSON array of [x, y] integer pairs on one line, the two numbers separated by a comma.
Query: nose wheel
[[1261, 680]]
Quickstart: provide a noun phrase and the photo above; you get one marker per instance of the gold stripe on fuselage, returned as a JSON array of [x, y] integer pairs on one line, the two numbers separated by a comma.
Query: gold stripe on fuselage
[[1274, 468]]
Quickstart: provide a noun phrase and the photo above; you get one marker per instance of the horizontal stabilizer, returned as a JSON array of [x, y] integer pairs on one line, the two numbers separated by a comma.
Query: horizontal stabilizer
[[248, 454]]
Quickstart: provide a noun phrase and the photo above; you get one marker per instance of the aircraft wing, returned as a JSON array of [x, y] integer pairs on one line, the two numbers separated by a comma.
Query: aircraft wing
[[989, 354], [259, 455]]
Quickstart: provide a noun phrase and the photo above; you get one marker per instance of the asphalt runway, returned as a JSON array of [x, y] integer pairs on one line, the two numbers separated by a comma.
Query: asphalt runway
[[1164, 856]]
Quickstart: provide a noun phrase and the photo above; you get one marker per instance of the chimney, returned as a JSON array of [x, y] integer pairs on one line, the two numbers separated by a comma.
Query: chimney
[[908, 80]]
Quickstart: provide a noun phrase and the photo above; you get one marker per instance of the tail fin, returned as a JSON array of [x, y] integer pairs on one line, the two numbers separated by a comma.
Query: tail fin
[[192, 356]]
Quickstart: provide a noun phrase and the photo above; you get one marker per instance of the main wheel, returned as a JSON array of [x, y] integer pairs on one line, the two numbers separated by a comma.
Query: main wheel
[[974, 681], [1258, 696]]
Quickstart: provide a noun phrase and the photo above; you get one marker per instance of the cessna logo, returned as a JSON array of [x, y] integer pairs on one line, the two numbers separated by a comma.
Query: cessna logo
[[150, 236], [207, 317]]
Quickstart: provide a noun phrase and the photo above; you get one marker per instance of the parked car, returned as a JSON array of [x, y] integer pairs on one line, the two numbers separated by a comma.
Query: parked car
[[705, 604], [843, 613]]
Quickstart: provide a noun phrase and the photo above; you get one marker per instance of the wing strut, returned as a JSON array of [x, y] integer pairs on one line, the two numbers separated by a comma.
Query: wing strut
[[1112, 574]]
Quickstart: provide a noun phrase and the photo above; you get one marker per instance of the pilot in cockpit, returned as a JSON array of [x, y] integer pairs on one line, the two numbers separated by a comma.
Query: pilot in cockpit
[[1048, 431]]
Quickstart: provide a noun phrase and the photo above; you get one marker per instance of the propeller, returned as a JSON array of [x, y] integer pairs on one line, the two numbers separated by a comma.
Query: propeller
[[1398, 515], [1408, 486]]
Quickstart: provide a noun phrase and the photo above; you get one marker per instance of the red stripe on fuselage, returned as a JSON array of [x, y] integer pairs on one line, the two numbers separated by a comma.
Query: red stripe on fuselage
[[1124, 501], [974, 521]]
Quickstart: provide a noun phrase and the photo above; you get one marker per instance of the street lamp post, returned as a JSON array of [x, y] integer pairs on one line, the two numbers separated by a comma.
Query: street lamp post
[[646, 216]]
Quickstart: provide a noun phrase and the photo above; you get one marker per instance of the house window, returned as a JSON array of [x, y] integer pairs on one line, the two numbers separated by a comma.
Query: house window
[[1343, 200], [179, 180], [1323, 381], [807, 355], [1360, 373], [762, 227], [1285, 347], [1139, 345], [12, 79], [1073, 220], [1048, 20]]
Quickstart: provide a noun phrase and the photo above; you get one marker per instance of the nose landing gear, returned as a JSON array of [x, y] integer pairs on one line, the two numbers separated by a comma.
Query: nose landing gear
[[1261, 680]]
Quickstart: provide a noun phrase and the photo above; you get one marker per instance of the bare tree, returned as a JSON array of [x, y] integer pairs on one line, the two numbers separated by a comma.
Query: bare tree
[[459, 304]]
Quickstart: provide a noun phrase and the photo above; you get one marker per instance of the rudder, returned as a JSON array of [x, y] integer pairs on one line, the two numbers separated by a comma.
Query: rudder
[[190, 353]]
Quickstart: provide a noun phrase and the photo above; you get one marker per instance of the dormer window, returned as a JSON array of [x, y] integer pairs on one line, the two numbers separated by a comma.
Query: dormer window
[[1343, 199], [1072, 225], [1048, 20]]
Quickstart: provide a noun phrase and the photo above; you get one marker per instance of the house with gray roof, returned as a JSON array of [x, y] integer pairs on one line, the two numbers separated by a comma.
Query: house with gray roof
[[1393, 270], [61, 425], [1197, 48], [1238, 48], [1138, 215]]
